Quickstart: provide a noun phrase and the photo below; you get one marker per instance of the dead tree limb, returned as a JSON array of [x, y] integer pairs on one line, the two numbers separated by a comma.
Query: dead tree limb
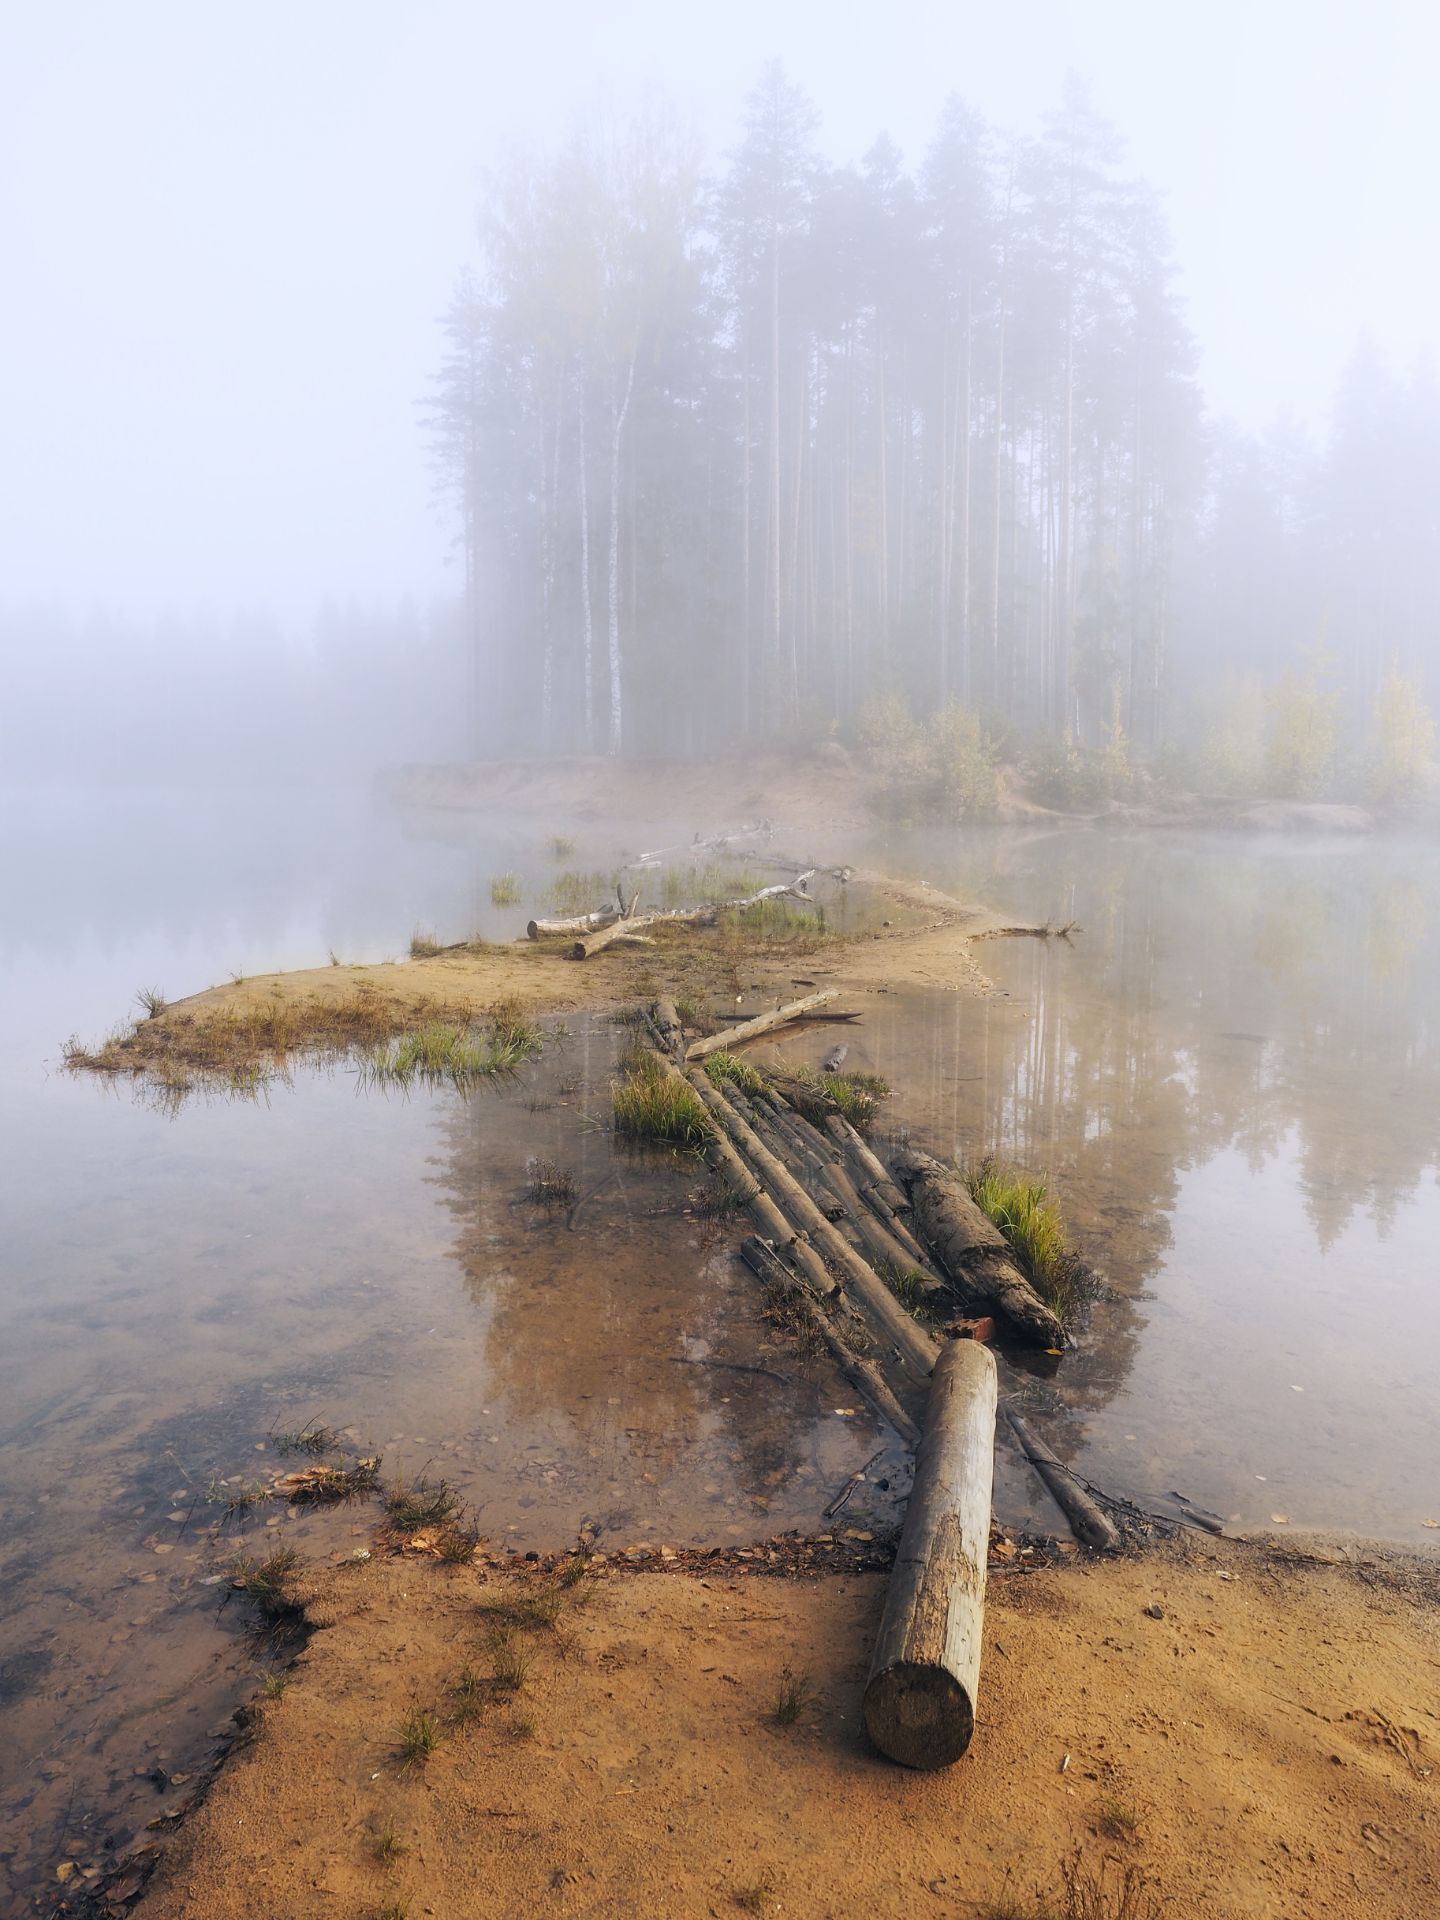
[[1088, 1523], [862, 1374], [762, 1023]]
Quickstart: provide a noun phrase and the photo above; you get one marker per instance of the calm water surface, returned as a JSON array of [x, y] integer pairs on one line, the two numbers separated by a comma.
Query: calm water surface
[[1232, 1078]]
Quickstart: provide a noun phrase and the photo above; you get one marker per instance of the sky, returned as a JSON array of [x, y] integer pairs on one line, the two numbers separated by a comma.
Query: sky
[[226, 233]]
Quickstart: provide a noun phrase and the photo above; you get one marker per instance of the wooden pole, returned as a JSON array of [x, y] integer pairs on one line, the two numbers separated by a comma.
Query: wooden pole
[[725, 1162], [910, 1340], [1091, 1526], [862, 1374], [762, 1023], [919, 1704]]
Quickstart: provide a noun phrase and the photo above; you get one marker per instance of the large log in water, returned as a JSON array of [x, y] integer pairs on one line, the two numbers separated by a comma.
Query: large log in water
[[972, 1249], [762, 1023], [919, 1701], [909, 1340]]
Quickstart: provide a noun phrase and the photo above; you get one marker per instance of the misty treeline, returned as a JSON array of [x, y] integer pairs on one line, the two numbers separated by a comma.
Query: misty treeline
[[788, 449]]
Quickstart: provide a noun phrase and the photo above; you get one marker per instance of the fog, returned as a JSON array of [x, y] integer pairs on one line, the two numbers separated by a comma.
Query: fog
[[1069, 364]]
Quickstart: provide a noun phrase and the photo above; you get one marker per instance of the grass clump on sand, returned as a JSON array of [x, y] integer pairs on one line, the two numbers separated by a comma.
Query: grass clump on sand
[[420, 1734], [571, 893], [792, 1696], [235, 1046], [266, 1583], [650, 1103], [726, 1066], [424, 945], [701, 884], [776, 923], [446, 1053], [1028, 1215], [413, 1504], [505, 890], [388, 1844], [1086, 1893], [153, 1001]]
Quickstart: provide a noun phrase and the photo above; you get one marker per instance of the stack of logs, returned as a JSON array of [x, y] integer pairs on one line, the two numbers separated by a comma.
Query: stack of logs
[[832, 1222]]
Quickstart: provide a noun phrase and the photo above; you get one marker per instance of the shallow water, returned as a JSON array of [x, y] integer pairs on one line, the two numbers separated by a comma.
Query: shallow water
[[185, 1283], [1231, 1076]]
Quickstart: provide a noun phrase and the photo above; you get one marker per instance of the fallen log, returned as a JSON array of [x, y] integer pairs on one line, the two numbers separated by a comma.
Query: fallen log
[[867, 1162], [883, 1245], [576, 923], [863, 1375], [762, 1023], [919, 1703], [971, 1248], [910, 1340], [666, 1022], [1089, 1524], [628, 925], [726, 1164]]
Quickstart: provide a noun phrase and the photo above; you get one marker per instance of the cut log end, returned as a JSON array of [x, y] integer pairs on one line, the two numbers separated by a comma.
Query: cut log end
[[919, 1715]]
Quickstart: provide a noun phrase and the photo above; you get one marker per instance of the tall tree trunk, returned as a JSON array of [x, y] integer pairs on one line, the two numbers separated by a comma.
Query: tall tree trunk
[[587, 618], [774, 549], [617, 728]]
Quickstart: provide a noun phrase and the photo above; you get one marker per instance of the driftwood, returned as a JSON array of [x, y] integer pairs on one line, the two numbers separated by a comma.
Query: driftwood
[[762, 1023], [919, 1703], [868, 1165], [576, 923], [913, 1344], [972, 1249], [726, 1164], [862, 1374], [883, 1244], [1090, 1526], [714, 843], [630, 924], [666, 1022]]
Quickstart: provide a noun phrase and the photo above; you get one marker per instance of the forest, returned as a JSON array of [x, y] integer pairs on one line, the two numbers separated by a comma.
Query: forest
[[793, 450]]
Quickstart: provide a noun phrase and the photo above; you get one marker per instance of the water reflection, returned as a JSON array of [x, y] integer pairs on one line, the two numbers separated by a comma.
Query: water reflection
[[1245, 1033]]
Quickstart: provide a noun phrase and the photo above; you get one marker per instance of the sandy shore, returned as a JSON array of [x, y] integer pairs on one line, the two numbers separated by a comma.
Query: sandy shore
[[1257, 1731]]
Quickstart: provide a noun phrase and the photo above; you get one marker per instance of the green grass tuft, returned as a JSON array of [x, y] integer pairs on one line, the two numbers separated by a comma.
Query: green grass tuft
[[650, 1103], [1028, 1215], [388, 1844], [505, 890], [723, 1066], [267, 1583], [420, 1734], [792, 1696], [441, 1053], [152, 1000], [413, 1504], [424, 945]]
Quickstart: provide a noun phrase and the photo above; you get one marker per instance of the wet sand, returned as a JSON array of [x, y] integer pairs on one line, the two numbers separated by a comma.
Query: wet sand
[[1255, 1730]]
